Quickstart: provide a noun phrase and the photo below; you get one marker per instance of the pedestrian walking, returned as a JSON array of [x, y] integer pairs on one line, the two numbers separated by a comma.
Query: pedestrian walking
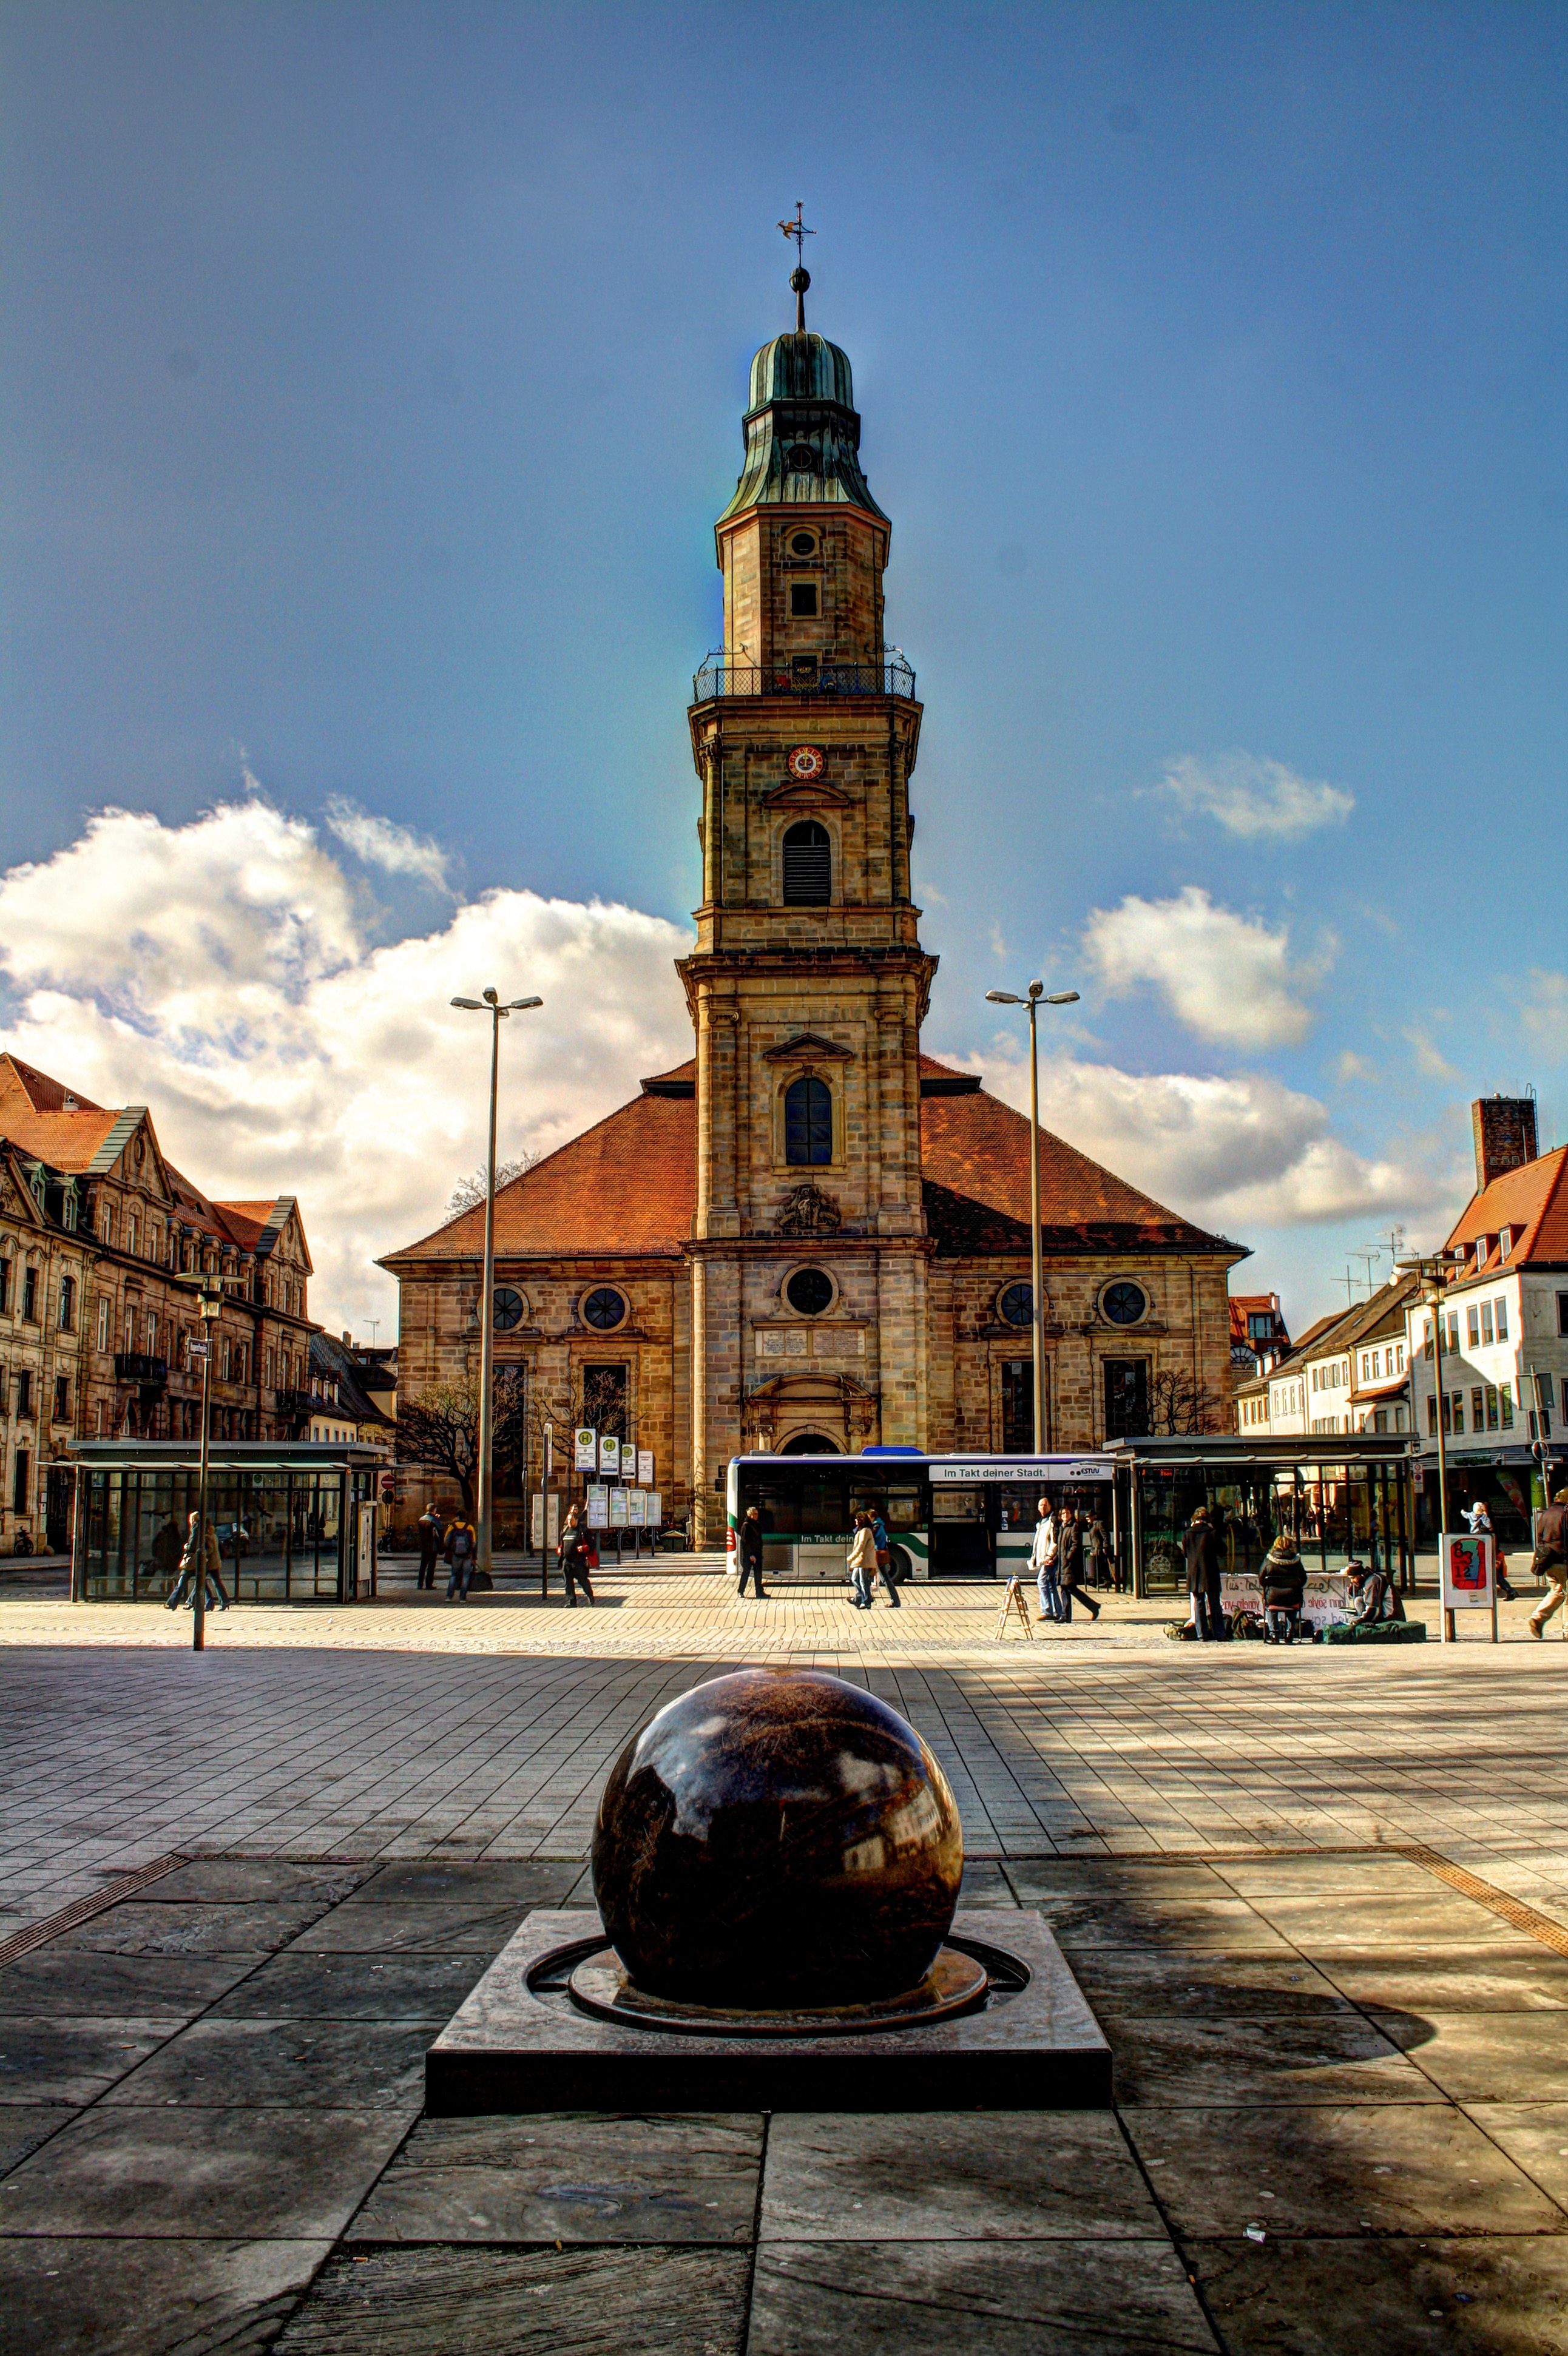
[[167, 1547], [749, 1549], [1069, 1567], [1200, 1544], [863, 1561], [432, 1539], [462, 1547], [573, 1552], [184, 1592], [885, 1559], [1550, 1560], [1043, 1561], [1283, 1582], [1097, 1553]]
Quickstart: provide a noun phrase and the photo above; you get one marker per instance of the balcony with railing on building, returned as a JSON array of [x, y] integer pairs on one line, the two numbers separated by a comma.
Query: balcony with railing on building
[[139, 1366], [722, 676]]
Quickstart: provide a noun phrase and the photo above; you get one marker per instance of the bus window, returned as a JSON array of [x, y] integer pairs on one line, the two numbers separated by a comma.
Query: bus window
[[824, 1510], [899, 1508]]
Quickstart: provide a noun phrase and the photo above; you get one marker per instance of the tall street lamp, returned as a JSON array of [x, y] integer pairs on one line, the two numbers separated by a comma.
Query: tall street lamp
[[210, 1291], [490, 1004], [1432, 1273], [1037, 996]]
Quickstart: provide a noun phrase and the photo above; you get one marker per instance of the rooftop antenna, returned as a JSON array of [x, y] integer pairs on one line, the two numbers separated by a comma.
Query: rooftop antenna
[[799, 277]]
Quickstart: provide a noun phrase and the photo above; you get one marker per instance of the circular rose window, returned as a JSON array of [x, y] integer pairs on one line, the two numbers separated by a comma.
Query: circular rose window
[[603, 1309], [509, 1307], [1017, 1304], [1123, 1302], [811, 1291]]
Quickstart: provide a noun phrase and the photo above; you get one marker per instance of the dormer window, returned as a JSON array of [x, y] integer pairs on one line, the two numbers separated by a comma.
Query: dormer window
[[802, 599]]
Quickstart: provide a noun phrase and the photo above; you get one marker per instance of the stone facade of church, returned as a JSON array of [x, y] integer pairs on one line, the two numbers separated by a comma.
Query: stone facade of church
[[812, 1231]]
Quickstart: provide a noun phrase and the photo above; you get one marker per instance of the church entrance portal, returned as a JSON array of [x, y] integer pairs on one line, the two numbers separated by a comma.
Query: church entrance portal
[[810, 1443]]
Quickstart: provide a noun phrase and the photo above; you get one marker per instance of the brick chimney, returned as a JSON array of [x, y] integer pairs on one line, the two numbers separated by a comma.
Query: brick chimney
[[1505, 1136]]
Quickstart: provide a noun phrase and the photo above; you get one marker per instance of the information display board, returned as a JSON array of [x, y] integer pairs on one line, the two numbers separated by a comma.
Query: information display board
[[655, 1509], [1468, 1571], [609, 1454], [637, 1508], [617, 1509], [598, 1498], [645, 1467]]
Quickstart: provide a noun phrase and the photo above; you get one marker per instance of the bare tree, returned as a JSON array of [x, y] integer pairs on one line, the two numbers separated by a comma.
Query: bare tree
[[439, 1427], [469, 1193], [1179, 1402]]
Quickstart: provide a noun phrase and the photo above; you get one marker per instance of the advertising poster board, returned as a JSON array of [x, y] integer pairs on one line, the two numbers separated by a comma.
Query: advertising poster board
[[1466, 1570], [549, 1459], [536, 1521], [584, 1449], [598, 1506], [609, 1454], [617, 1509], [645, 1467], [1328, 1603], [551, 1519], [637, 1508]]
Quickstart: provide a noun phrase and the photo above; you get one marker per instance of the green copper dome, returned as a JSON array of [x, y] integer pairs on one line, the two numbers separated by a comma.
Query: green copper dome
[[801, 432]]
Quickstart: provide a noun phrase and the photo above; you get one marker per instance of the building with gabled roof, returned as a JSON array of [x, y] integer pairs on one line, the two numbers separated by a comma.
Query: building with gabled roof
[[813, 1236], [123, 1226]]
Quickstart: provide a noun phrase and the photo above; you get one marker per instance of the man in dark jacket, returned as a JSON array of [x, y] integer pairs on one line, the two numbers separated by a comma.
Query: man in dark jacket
[[1284, 1583], [749, 1549], [1201, 1548], [572, 1553], [1551, 1560], [431, 1537], [1069, 1566]]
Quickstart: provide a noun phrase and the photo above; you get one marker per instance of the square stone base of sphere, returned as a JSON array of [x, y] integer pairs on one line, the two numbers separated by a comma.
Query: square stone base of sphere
[[513, 2046]]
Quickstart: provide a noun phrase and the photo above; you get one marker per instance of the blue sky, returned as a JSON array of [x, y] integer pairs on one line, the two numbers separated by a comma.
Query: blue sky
[[373, 376]]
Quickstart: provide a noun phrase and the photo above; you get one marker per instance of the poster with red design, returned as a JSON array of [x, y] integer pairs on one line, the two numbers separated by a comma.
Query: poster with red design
[[1466, 1563]]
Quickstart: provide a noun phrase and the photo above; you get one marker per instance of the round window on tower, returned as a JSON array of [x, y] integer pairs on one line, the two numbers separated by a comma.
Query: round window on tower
[[809, 1290], [1017, 1304], [803, 543], [510, 1308], [1124, 1302], [603, 1309], [800, 458]]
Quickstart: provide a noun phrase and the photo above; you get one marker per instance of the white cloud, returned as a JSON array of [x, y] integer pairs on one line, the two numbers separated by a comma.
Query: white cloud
[[221, 977], [381, 842], [1236, 1153], [1544, 1013], [1430, 1062], [1352, 1066], [1249, 797], [1227, 977]]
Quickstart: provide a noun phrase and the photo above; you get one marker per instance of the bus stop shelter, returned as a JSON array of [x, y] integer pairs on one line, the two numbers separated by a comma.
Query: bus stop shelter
[[295, 1520], [1339, 1494]]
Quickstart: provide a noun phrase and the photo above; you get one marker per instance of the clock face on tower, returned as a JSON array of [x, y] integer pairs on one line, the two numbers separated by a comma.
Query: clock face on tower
[[806, 761]]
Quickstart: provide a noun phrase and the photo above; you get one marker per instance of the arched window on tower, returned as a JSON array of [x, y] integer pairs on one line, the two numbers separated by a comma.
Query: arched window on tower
[[807, 866], [808, 1122]]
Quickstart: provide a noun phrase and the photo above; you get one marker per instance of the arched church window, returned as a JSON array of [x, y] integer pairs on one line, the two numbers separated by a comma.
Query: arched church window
[[808, 1122], [807, 866]]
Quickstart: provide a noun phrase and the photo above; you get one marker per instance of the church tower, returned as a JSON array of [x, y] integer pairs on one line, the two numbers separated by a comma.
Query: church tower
[[808, 985]]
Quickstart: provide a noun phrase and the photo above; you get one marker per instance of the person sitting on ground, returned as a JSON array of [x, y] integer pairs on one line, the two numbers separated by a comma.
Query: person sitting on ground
[[1201, 1548], [1373, 1594], [748, 1547], [1550, 1560], [1283, 1582]]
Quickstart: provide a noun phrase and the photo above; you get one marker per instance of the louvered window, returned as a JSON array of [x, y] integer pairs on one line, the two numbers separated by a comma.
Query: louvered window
[[807, 866]]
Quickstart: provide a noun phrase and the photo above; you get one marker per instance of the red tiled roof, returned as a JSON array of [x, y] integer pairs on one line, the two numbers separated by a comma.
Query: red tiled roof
[[42, 1094], [627, 1186], [976, 1151], [1534, 1199]]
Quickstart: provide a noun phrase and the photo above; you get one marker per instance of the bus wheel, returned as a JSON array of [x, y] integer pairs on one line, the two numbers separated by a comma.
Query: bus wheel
[[900, 1566]]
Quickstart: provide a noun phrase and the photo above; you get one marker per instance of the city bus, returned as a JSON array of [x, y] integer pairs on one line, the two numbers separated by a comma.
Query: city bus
[[946, 1516]]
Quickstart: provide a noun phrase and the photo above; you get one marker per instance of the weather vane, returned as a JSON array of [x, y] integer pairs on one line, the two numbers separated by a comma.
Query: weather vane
[[799, 277]]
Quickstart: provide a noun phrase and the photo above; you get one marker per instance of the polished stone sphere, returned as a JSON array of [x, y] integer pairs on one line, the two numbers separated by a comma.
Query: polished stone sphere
[[777, 1837]]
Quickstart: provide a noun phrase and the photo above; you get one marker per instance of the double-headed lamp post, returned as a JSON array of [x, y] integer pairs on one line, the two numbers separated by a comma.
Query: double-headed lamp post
[[1432, 1273], [490, 1004], [1037, 996], [209, 1295]]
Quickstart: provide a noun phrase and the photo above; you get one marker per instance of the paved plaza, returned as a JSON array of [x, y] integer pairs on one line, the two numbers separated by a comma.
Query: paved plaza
[[1319, 1900]]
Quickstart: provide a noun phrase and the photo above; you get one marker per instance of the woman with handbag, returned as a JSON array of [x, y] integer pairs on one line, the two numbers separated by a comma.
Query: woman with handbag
[[575, 1552]]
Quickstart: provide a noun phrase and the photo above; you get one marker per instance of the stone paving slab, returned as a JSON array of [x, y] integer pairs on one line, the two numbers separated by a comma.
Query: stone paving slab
[[1498, 2057], [571, 2177], [127, 2297], [1423, 2297], [380, 1985], [954, 2176], [1384, 2167], [1282, 2059], [973, 2298], [48, 2060], [279, 2064], [263, 2175], [63, 1980], [1533, 2134], [477, 2301]]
